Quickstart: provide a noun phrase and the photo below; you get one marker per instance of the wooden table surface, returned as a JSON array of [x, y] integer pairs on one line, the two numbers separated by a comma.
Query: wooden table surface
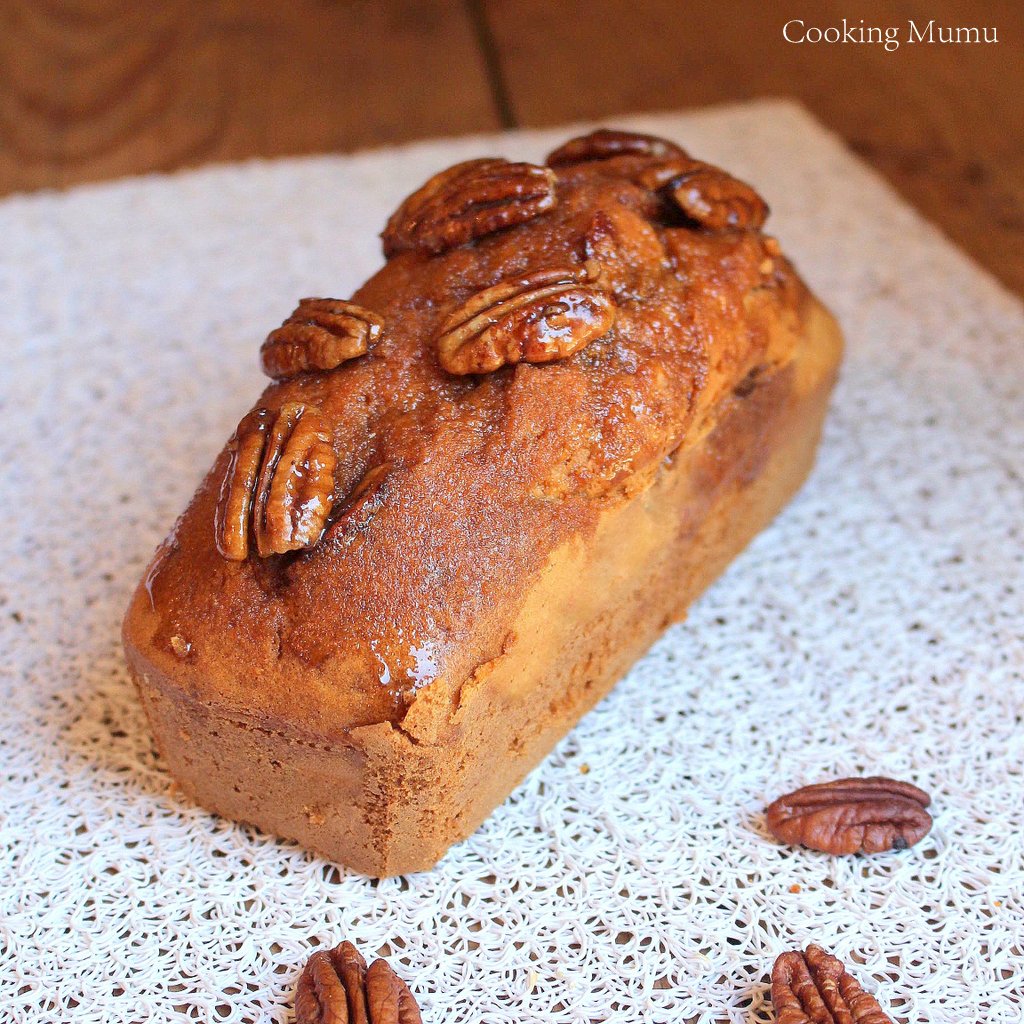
[[95, 89]]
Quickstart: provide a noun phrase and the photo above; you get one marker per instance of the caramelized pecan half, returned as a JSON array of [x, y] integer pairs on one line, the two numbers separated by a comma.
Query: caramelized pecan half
[[468, 201], [657, 175], [319, 335], [852, 816], [336, 987], [278, 485], [234, 508], [815, 988], [546, 315], [717, 201], [606, 143], [363, 502]]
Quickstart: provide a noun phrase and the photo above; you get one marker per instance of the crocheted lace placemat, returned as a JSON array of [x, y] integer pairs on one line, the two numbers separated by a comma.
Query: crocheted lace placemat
[[875, 628]]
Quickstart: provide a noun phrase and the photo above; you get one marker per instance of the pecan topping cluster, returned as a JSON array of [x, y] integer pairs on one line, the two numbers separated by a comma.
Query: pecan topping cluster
[[278, 485], [468, 201], [277, 492], [852, 816], [336, 987], [547, 315], [706, 195], [320, 334], [815, 988]]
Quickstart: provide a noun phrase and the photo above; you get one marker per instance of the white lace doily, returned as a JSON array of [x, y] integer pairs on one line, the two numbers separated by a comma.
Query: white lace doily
[[876, 627]]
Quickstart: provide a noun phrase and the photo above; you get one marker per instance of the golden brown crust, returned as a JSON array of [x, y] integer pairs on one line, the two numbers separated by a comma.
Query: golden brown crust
[[451, 490]]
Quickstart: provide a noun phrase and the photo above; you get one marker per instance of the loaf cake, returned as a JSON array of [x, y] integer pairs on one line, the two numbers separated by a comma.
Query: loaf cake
[[476, 492]]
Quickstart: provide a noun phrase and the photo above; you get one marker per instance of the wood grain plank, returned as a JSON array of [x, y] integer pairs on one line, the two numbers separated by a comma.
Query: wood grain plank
[[945, 124], [94, 89]]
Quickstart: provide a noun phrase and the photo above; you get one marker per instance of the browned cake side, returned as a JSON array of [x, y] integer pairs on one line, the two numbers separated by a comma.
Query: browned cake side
[[477, 494]]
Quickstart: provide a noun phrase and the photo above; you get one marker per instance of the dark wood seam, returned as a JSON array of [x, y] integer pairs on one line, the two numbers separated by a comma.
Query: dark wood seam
[[492, 63]]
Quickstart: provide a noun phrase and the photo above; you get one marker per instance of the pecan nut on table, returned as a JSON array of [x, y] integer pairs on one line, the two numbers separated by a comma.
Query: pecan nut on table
[[852, 816], [336, 987], [814, 987]]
